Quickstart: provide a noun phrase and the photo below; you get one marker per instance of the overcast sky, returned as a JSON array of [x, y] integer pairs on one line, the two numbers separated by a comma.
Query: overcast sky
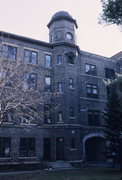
[[30, 18]]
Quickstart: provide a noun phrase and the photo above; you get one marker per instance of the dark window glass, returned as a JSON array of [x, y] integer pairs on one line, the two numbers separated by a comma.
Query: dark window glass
[[59, 59], [9, 52], [70, 57], [59, 86], [27, 147], [71, 111], [5, 146], [70, 83], [92, 91], [73, 143], [48, 60], [47, 84], [60, 116], [93, 118], [30, 56], [47, 114], [30, 82], [109, 73], [91, 69]]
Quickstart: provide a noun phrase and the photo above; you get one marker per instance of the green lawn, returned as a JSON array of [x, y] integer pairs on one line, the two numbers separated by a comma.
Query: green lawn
[[83, 174]]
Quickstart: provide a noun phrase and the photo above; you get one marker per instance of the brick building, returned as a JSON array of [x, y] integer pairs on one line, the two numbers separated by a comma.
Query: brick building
[[71, 82]]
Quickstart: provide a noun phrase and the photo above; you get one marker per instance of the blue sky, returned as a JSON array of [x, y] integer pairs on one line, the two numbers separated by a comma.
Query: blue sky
[[30, 18]]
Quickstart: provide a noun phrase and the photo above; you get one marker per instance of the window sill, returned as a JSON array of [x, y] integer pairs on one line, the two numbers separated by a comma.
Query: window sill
[[73, 149], [8, 123], [71, 88], [28, 124], [59, 64], [60, 122], [72, 117], [30, 63], [27, 157], [48, 67], [9, 59], [70, 64], [5, 158]]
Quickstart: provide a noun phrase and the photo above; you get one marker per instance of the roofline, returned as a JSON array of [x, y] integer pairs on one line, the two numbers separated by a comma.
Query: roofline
[[60, 18], [26, 39]]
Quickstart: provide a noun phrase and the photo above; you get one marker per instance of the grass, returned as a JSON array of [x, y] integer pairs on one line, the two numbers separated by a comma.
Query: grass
[[99, 173]]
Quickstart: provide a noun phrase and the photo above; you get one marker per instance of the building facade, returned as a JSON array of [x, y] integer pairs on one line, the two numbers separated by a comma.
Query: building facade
[[71, 82]]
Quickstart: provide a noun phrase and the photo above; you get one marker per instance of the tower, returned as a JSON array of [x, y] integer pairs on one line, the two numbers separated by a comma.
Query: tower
[[62, 28]]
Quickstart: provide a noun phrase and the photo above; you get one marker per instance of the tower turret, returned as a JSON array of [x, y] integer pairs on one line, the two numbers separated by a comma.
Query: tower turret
[[62, 28]]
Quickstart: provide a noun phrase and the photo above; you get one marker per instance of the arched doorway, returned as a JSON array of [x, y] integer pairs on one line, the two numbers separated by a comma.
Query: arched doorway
[[94, 148]]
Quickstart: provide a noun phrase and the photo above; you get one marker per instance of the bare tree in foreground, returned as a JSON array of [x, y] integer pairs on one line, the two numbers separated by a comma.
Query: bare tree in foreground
[[19, 97]]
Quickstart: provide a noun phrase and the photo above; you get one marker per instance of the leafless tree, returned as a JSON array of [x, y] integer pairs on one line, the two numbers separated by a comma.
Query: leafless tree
[[20, 98]]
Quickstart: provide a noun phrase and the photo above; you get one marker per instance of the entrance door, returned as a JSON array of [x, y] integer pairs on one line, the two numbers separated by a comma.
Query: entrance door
[[47, 149], [60, 148], [95, 149]]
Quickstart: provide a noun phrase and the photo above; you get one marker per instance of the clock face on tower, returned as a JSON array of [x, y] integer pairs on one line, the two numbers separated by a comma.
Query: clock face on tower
[[69, 36]]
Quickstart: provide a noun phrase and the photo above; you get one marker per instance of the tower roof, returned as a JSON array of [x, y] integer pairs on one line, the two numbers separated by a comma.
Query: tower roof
[[62, 15]]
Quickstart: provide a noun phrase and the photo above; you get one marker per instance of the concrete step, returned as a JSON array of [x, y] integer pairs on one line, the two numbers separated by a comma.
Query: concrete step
[[60, 165]]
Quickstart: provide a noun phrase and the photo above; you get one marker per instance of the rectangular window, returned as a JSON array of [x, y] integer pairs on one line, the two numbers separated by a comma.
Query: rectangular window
[[73, 143], [70, 83], [47, 114], [28, 114], [47, 84], [8, 116], [5, 146], [91, 69], [92, 91], [30, 56], [9, 52], [93, 118], [27, 147], [59, 59], [72, 111], [30, 81], [60, 116], [59, 87], [109, 73], [48, 60]]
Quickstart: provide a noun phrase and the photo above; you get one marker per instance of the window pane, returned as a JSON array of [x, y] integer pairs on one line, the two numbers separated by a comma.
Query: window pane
[[47, 60], [60, 117], [47, 84], [5, 146], [59, 87], [9, 52], [87, 68], [27, 56], [34, 58], [59, 59], [27, 147]]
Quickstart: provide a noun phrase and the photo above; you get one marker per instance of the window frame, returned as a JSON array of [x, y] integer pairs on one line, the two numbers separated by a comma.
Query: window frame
[[59, 87], [7, 53], [60, 116], [109, 73], [72, 111], [5, 147], [47, 87], [30, 57], [93, 117], [59, 60], [28, 84], [91, 71], [48, 62], [92, 88], [27, 150]]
